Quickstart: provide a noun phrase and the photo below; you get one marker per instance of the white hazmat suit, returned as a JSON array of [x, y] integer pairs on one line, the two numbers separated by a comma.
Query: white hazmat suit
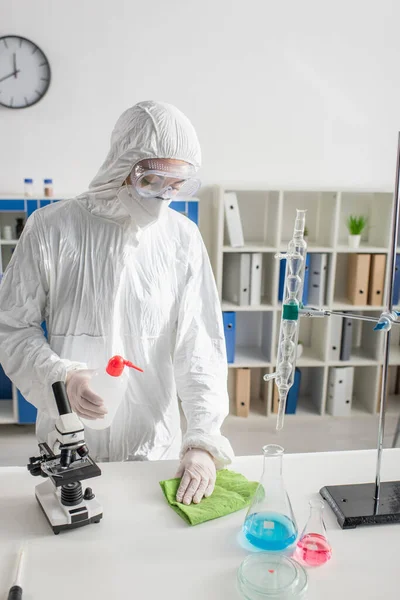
[[115, 276]]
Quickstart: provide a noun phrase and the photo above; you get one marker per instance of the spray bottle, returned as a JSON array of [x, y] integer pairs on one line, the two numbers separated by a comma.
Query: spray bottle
[[110, 384]]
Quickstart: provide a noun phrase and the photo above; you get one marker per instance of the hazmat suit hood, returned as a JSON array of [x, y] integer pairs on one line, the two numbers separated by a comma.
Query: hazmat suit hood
[[102, 292], [147, 130]]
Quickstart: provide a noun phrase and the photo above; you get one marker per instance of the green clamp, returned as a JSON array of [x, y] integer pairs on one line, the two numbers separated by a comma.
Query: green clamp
[[290, 312]]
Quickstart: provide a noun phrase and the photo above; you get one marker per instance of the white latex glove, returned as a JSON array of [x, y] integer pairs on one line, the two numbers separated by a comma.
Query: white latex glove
[[198, 473], [84, 402]]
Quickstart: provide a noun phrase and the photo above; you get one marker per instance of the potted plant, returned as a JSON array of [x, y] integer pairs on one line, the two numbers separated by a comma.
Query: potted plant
[[356, 226]]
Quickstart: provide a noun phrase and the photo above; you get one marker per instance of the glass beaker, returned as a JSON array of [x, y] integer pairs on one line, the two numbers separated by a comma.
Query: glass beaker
[[270, 524], [313, 548]]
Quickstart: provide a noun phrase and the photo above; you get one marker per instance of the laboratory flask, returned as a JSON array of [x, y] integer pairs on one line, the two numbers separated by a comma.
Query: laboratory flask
[[270, 524], [313, 548]]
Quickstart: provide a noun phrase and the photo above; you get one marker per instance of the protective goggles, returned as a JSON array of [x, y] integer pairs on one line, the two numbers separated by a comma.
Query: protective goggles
[[160, 180]]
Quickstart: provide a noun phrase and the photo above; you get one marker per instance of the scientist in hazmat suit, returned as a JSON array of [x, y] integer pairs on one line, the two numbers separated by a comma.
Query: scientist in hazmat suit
[[115, 271]]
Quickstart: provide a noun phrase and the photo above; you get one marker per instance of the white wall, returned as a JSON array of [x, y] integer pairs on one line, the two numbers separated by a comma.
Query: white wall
[[289, 93]]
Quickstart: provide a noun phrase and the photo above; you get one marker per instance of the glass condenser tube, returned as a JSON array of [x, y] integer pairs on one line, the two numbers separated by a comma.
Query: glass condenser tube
[[289, 330]]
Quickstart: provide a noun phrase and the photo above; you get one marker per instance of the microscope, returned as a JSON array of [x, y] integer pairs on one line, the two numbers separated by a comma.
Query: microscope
[[64, 461]]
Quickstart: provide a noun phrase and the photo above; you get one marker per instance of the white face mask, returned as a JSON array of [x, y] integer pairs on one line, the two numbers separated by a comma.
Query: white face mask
[[143, 211]]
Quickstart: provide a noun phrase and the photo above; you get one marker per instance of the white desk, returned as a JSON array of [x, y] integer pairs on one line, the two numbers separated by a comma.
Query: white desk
[[143, 550]]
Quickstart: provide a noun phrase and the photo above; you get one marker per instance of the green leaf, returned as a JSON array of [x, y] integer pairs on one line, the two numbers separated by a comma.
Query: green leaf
[[356, 225]]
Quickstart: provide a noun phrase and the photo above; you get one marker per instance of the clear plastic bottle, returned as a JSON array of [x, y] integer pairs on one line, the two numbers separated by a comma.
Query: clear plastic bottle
[[270, 524], [313, 548], [110, 384], [28, 188], [48, 188]]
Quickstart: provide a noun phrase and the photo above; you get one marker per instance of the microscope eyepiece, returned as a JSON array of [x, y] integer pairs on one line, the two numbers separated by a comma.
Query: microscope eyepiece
[[61, 398]]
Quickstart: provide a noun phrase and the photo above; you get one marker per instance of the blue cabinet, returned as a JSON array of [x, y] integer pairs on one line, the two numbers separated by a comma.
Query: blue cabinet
[[5, 386], [25, 411]]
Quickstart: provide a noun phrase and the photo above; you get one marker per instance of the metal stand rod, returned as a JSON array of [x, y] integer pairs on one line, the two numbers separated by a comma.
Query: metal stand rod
[[358, 317], [389, 298], [312, 312]]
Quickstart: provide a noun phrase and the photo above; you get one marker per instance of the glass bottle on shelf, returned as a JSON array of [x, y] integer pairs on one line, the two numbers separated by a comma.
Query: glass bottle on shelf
[[7, 232], [19, 228], [313, 548], [270, 524], [28, 188], [48, 188]]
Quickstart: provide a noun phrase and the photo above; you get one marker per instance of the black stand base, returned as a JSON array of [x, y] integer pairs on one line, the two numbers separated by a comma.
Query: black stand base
[[355, 504]]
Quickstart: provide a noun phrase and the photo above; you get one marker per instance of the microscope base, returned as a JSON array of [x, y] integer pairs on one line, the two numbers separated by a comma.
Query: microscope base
[[60, 517]]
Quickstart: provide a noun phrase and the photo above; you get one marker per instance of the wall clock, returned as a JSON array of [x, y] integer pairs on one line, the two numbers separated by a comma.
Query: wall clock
[[24, 72]]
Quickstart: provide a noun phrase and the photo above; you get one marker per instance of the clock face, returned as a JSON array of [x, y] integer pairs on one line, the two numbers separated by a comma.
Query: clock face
[[24, 72]]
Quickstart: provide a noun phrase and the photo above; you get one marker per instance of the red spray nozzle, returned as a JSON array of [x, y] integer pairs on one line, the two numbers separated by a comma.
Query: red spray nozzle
[[128, 363], [116, 365]]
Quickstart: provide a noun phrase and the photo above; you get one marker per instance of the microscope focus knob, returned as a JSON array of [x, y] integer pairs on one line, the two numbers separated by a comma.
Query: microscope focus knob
[[83, 451], [88, 494]]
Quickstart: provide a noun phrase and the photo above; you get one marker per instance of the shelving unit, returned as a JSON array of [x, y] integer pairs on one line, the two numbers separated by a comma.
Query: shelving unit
[[6, 412], [267, 219], [313, 382], [13, 406], [394, 358], [253, 329], [6, 399], [249, 248]]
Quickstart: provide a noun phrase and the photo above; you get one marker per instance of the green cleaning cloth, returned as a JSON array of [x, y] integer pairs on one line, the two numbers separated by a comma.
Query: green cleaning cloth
[[232, 492]]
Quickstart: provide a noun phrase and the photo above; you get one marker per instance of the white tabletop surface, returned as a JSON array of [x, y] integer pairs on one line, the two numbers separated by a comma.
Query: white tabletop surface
[[143, 550]]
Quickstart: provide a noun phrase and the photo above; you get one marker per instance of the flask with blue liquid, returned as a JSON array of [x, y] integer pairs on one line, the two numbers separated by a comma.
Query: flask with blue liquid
[[270, 524]]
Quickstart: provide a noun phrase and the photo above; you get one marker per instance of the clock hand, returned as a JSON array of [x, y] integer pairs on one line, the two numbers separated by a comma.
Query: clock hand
[[15, 65], [7, 76]]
